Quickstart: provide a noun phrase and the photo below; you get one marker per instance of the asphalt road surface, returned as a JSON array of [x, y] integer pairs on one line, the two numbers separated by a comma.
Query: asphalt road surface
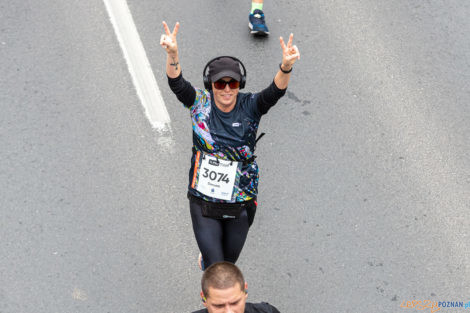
[[364, 172]]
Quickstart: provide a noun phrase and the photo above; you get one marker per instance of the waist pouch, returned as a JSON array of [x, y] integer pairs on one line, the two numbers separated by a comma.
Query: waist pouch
[[221, 211]]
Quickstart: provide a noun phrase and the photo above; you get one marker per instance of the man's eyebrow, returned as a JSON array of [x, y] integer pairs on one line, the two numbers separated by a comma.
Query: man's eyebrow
[[237, 300]]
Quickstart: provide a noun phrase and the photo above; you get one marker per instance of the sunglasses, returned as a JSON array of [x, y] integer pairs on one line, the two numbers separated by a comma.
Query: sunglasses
[[233, 84]]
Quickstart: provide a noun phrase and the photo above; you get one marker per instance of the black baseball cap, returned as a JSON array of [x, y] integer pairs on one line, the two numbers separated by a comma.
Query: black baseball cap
[[224, 67]]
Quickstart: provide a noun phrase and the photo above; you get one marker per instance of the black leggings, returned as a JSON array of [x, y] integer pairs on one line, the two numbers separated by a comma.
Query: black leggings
[[220, 240]]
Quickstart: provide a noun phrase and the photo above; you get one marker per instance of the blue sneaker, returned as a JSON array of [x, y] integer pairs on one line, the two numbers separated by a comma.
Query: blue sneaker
[[257, 23]]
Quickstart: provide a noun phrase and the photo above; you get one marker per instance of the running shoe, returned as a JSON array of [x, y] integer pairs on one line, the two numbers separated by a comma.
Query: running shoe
[[257, 23], [200, 262]]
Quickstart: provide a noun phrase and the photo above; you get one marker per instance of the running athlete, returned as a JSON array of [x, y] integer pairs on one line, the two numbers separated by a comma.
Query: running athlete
[[223, 178]]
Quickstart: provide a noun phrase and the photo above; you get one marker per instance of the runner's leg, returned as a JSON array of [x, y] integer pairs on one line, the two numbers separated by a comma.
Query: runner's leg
[[234, 236], [208, 233]]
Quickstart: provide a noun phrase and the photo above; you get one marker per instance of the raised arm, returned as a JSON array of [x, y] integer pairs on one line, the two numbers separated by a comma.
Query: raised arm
[[290, 54], [168, 42]]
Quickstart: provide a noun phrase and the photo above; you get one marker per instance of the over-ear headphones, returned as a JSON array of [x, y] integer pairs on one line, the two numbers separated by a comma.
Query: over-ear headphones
[[207, 81]]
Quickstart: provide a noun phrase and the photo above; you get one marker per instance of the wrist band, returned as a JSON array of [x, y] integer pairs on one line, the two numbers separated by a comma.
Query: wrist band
[[285, 72]]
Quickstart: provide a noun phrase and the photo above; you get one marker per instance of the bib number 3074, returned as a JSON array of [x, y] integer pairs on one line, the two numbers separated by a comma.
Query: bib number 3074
[[216, 177]]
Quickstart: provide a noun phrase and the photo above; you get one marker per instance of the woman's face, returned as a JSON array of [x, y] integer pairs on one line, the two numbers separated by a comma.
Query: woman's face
[[225, 98]]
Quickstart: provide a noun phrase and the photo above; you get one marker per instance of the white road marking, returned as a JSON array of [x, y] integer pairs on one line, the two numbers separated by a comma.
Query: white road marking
[[139, 66], [79, 294]]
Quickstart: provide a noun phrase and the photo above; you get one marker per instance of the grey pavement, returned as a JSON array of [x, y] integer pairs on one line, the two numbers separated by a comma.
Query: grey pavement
[[365, 168]]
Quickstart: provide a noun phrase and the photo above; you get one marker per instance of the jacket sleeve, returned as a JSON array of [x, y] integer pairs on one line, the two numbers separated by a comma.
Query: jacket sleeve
[[262, 307], [183, 90], [269, 97], [274, 310]]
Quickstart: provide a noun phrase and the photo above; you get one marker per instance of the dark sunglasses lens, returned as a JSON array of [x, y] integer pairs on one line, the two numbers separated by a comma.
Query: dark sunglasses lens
[[220, 84], [233, 84]]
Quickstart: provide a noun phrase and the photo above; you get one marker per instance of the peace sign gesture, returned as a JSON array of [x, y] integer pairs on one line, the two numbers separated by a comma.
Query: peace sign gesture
[[290, 53], [168, 40]]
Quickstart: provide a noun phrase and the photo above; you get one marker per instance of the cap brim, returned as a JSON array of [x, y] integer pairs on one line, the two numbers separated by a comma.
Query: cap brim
[[226, 73]]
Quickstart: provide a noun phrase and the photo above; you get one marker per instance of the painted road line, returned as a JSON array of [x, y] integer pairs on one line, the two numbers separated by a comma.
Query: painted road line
[[138, 64]]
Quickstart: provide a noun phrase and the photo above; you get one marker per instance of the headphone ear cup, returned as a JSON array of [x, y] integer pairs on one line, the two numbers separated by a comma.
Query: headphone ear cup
[[207, 83], [242, 82]]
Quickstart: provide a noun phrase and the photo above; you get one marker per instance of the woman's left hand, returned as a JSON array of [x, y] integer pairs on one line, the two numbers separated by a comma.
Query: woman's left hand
[[290, 53]]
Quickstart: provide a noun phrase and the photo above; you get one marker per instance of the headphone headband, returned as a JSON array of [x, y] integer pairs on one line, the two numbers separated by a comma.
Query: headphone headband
[[206, 79]]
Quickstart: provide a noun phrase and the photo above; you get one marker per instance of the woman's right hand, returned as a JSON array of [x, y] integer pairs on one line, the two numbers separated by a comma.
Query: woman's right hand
[[168, 40]]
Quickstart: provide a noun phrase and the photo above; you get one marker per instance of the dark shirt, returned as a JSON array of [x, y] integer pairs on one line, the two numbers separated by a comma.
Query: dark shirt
[[226, 135], [262, 307]]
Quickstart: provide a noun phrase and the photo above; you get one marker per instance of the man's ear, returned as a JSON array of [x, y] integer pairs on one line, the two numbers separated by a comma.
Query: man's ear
[[203, 299], [246, 287]]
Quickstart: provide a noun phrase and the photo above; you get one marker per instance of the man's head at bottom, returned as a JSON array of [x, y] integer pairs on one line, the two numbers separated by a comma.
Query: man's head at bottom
[[224, 289]]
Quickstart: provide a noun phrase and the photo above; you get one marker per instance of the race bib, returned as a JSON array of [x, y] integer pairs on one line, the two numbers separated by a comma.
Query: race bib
[[216, 177]]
